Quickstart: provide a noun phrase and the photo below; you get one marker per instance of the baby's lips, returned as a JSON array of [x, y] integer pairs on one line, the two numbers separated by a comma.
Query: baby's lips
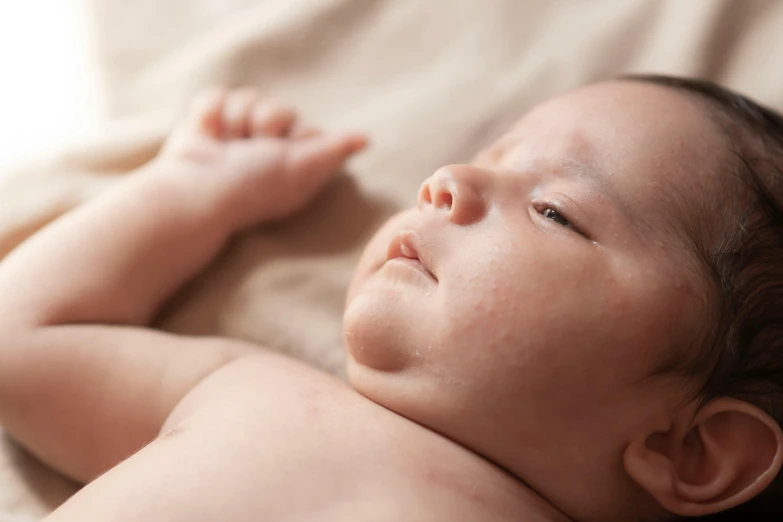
[[405, 244], [408, 251]]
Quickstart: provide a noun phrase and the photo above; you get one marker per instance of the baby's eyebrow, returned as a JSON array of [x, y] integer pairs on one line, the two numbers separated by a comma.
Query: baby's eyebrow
[[591, 174], [587, 171]]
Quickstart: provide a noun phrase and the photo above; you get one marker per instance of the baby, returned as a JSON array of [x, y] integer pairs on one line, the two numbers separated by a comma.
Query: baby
[[582, 324]]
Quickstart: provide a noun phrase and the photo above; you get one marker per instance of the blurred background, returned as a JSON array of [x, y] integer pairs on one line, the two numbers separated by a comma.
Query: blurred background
[[50, 91]]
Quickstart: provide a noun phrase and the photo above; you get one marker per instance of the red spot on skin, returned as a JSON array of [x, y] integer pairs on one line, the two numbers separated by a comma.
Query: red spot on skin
[[313, 409], [311, 399]]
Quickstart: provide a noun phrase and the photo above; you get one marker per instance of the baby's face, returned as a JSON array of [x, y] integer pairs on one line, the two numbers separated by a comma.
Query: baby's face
[[525, 305]]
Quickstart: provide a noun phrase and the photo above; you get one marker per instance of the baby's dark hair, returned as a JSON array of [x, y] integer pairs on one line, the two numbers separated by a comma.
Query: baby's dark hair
[[743, 353]]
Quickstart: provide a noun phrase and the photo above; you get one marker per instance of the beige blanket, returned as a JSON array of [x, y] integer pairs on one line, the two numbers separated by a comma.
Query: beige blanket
[[430, 80]]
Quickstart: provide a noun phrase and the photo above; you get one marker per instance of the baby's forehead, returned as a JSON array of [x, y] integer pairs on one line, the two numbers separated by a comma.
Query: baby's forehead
[[530, 145], [611, 122]]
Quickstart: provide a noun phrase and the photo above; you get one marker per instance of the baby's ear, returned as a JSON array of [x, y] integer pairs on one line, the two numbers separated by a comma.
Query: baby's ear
[[724, 456]]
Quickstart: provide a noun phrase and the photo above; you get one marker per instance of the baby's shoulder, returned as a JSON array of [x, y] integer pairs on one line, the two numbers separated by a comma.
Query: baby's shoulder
[[267, 383], [269, 412]]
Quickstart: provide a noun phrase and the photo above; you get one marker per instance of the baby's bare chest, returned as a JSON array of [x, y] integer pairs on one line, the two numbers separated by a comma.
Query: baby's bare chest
[[285, 443]]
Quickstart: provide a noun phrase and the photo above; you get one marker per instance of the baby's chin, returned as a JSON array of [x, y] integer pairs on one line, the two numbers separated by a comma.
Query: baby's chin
[[371, 334], [375, 364], [385, 320]]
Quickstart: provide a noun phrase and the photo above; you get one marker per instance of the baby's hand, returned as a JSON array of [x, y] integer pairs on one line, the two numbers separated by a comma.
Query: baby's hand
[[261, 164]]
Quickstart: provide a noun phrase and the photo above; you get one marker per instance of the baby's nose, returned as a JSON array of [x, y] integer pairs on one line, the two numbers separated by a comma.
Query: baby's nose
[[457, 189]]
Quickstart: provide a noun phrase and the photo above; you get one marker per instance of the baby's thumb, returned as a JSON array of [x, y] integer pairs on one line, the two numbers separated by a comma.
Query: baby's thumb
[[318, 157]]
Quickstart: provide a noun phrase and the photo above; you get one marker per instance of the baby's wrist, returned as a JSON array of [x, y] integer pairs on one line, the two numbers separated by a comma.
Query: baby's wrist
[[188, 195]]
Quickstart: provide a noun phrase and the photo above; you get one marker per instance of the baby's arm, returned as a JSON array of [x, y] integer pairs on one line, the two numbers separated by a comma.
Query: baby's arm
[[81, 384]]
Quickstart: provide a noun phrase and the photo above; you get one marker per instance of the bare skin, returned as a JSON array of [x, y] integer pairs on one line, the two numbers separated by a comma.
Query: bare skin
[[504, 337], [164, 427]]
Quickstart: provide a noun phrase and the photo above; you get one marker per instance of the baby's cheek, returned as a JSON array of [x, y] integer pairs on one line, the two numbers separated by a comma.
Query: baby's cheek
[[682, 320], [479, 305], [652, 312], [490, 326]]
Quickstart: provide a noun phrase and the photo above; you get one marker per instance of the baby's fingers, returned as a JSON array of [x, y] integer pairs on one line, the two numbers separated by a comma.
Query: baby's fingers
[[324, 152], [314, 160]]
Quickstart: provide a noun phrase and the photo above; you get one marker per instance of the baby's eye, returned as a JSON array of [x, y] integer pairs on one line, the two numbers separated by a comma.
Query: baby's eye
[[552, 214]]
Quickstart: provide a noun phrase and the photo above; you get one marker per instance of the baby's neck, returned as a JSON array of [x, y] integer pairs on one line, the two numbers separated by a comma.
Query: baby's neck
[[467, 474]]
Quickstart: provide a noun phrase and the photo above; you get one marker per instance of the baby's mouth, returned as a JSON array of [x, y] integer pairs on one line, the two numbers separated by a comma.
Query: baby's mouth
[[403, 249]]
